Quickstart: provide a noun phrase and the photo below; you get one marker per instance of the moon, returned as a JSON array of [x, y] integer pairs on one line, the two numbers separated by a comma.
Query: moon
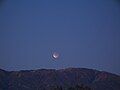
[[55, 55]]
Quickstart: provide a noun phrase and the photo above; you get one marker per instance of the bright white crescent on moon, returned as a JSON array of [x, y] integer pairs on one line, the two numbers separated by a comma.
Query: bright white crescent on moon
[[55, 55]]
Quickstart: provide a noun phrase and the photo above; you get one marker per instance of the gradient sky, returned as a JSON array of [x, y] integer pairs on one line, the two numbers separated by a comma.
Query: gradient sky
[[86, 33]]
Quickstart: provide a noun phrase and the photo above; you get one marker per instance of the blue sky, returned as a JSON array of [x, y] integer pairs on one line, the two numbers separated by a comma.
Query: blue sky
[[86, 33]]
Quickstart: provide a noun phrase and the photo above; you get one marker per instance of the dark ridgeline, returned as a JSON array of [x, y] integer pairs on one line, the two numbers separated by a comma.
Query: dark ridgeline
[[63, 79]]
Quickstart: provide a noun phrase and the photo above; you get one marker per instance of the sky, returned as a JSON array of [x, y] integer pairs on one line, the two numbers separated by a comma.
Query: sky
[[86, 34]]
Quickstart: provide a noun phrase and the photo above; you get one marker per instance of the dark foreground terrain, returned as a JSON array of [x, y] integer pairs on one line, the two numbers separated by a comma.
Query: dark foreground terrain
[[63, 79]]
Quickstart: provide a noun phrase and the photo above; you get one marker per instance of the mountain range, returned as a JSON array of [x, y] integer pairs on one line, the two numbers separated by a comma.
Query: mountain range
[[62, 79]]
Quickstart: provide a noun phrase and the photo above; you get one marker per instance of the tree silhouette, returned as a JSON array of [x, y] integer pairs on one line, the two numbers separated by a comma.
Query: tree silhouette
[[56, 87], [76, 87], [82, 87]]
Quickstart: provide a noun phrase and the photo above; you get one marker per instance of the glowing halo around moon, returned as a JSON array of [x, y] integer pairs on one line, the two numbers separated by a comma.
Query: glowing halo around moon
[[55, 55]]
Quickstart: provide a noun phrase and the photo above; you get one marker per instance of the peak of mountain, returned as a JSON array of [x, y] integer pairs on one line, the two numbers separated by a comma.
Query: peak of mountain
[[44, 79]]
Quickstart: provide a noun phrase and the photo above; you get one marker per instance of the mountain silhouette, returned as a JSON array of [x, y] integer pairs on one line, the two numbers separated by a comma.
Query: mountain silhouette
[[62, 79]]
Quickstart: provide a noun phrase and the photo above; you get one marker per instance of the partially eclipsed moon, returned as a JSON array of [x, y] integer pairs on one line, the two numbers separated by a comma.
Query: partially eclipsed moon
[[55, 55]]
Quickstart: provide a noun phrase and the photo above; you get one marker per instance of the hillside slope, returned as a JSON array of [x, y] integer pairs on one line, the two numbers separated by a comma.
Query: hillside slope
[[44, 79]]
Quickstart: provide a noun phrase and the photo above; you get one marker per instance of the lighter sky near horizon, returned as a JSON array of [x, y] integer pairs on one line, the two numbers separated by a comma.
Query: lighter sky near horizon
[[86, 34]]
